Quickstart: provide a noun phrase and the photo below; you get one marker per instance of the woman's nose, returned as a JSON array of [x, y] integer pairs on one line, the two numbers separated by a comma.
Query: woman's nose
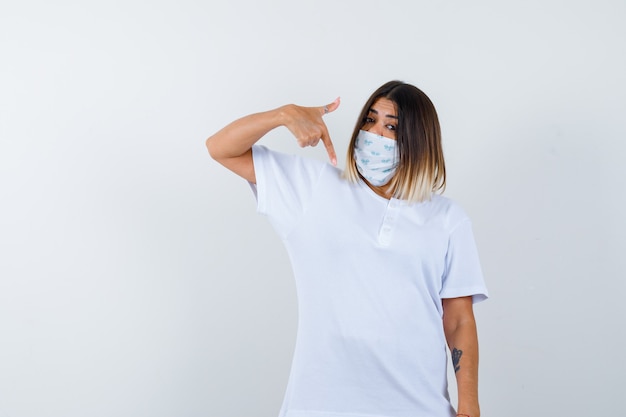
[[376, 129]]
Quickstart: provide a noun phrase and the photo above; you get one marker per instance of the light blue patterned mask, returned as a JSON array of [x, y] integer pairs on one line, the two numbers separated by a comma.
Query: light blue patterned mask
[[376, 157]]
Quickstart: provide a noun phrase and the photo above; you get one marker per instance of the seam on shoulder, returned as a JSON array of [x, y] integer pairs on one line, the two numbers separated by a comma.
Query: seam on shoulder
[[459, 223]]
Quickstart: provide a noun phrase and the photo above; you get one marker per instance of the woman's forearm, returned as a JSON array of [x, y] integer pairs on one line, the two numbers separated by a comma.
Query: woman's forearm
[[231, 146], [460, 330], [237, 138], [464, 350]]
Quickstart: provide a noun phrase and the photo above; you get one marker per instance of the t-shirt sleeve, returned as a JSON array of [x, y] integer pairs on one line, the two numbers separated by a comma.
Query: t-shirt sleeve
[[284, 186], [463, 275]]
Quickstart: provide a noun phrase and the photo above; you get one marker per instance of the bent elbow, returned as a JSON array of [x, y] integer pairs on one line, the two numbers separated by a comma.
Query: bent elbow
[[210, 147]]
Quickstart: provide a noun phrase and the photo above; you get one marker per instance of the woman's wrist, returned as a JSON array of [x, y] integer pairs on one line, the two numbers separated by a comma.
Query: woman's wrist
[[467, 413], [284, 114]]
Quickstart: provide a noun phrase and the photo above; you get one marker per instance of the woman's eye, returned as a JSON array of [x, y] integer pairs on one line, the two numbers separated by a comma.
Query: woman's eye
[[369, 120], [391, 127]]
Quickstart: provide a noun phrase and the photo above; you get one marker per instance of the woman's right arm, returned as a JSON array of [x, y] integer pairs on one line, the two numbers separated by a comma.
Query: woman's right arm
[[232, 145]]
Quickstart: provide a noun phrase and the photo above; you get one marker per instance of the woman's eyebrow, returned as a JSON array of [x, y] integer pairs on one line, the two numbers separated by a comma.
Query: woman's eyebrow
[[391, 116]]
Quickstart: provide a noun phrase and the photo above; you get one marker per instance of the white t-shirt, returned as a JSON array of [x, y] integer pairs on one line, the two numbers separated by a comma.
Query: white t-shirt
[[370, 276]]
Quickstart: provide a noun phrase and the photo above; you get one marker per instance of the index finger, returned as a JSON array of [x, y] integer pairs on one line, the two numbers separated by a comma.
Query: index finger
[[329, 146]]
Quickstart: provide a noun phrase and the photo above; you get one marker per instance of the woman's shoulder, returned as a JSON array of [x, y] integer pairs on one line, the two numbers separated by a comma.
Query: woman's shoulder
[[450, 212], [290, 168], [262, 151]]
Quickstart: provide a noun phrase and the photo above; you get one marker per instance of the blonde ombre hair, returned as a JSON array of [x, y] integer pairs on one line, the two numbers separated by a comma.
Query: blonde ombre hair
[[421, 170]]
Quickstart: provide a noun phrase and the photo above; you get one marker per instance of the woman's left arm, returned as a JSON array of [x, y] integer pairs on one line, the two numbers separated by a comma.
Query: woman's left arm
[[460, 329]]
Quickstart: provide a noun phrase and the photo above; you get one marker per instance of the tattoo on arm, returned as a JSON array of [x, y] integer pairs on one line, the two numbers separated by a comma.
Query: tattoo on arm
[[456, 357]]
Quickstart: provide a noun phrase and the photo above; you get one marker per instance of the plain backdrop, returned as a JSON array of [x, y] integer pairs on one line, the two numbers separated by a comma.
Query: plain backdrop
[[136, 278]]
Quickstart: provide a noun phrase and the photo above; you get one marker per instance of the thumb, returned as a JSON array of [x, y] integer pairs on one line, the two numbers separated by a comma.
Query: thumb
[[331, 107]]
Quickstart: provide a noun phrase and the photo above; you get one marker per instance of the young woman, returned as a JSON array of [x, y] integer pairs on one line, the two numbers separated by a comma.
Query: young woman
[[386, 268]]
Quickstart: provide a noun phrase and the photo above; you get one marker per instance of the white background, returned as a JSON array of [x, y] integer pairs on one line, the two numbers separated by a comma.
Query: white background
[[136, 278]]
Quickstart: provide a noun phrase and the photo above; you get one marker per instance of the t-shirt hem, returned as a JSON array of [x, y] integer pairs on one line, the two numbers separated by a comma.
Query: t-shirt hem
[[477, 294]]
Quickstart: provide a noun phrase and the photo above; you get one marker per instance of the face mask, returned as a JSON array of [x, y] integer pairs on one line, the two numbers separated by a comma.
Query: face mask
[[376, 157]]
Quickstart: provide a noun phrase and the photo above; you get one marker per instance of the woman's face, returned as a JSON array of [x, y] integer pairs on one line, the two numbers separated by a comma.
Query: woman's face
[[382, 118]]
